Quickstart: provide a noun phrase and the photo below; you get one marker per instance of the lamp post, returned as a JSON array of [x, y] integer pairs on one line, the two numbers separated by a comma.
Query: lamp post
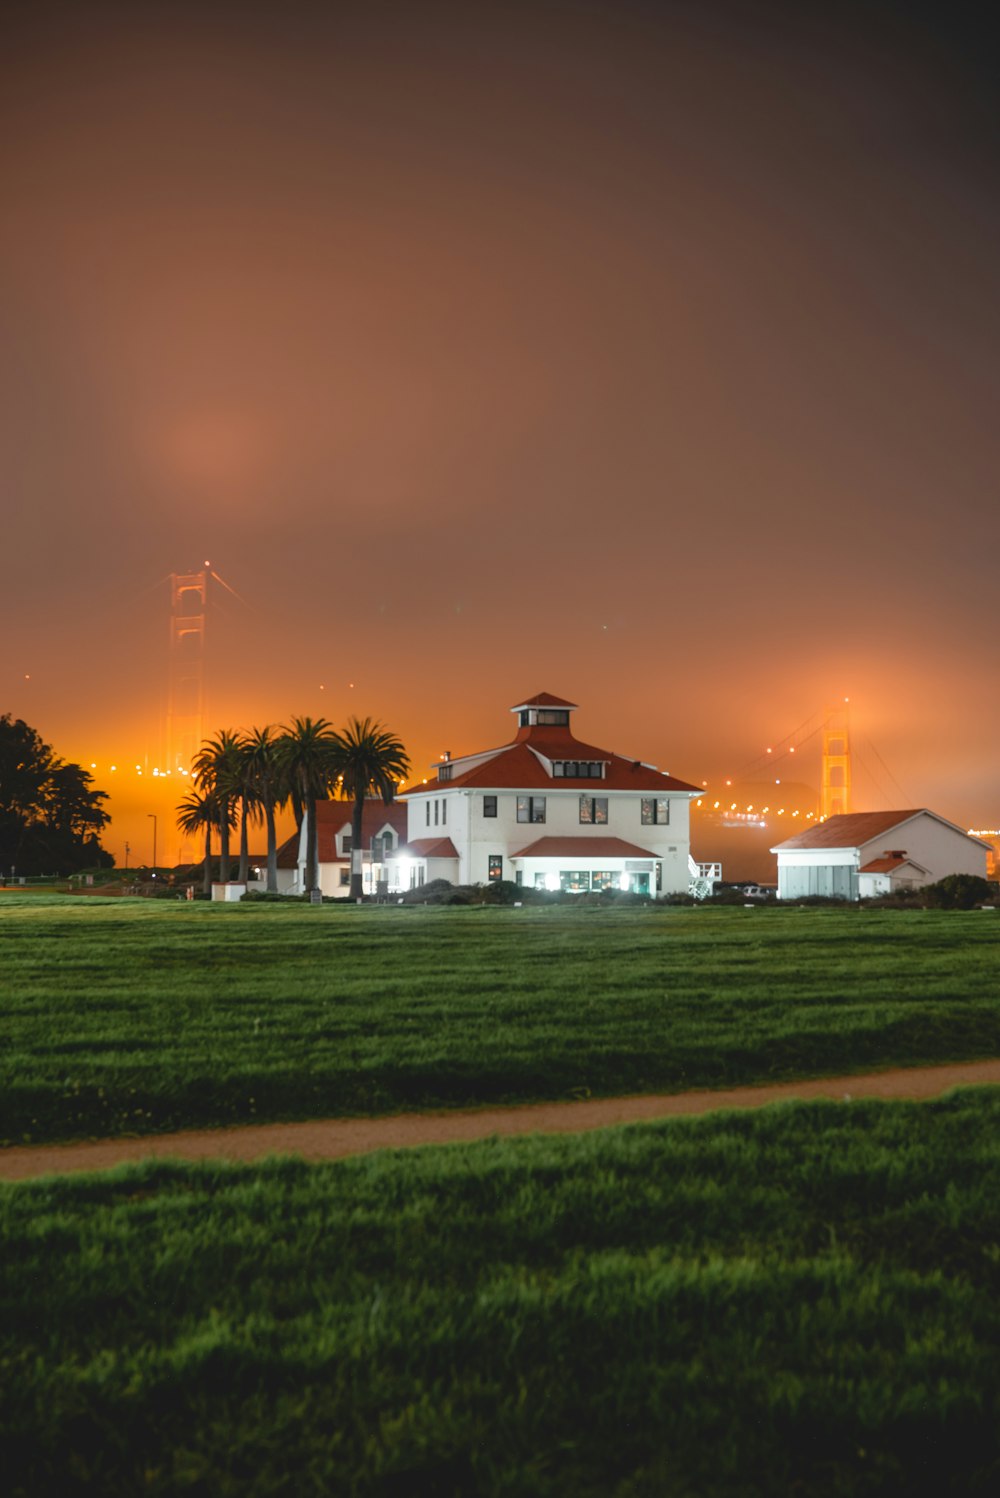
[[153, 815]]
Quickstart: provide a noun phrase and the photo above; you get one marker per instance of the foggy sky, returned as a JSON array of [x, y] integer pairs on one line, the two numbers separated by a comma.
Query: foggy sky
[[641, 353]]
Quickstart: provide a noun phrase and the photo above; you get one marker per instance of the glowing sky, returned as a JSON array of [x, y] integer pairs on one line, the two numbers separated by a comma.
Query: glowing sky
[[642, 353]]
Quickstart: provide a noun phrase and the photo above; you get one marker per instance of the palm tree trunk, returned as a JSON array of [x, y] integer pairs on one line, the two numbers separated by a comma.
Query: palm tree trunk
[[357, 865], [272, 846], [206, 881], [312, 847], [244, 843], [224, 840]]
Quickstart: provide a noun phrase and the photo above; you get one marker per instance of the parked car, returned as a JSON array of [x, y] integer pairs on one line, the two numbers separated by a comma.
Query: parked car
[[756, 892]]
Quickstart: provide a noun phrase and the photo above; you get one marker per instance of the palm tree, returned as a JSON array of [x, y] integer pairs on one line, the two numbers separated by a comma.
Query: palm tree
[[263, 771], [305, 753], [216, 770], [200, 811], [371, 761]]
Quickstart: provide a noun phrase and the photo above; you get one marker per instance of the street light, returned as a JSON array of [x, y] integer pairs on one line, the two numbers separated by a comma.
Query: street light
[[153, 815]]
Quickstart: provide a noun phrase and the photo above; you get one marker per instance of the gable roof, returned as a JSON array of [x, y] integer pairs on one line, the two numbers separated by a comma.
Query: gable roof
[[855, 829], [582, 847], [430, 847], [543, 699], [890, 863], [333, 817], [519, 765]]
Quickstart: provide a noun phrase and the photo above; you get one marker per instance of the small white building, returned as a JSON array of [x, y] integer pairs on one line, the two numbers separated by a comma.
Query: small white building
[[549, 811], [875, 852], [383, 828]]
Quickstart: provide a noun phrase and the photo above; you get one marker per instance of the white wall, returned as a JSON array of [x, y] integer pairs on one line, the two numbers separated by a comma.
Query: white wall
[[476, 837], [937, 846]]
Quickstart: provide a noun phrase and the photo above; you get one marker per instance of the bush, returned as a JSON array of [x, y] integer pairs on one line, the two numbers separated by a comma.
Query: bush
[[500, 892], [434, 892], [958, 892]]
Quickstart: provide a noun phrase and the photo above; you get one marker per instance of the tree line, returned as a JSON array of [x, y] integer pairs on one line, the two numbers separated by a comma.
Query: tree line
[[51, 816], [243, 778]]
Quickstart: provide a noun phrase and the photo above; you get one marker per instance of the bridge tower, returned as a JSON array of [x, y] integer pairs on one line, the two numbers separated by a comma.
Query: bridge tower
[[836, 791]]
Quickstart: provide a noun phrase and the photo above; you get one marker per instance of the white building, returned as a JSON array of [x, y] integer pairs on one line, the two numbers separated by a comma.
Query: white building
[[548, 810], [383, 828], [875, 852]]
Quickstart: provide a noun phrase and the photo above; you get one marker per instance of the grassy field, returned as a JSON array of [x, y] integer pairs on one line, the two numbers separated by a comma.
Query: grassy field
[[804, 1301], [138, 1016]]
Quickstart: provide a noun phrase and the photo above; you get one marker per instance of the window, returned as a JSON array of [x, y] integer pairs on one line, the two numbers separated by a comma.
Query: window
[[603, 879], [577, 769], [594, 810], [427, 810], [574, 881], [444, 772], [346, 842], [496, 866], [387, 845], [437, 812], [553, 717], [655, 811], [345, 876], [531, 808], [444, 812], [489, 806]]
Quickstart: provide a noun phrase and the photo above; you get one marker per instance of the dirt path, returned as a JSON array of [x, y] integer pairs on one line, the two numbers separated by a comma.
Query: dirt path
[[336, 1138]]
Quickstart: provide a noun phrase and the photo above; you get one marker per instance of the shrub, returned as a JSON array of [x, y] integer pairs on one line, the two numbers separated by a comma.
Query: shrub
[[958, 892]]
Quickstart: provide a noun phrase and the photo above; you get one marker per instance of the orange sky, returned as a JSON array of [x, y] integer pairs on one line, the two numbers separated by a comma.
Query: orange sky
[[640, 353]]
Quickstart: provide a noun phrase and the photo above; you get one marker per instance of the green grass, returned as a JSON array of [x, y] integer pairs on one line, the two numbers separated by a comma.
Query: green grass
[[804, 1300], [133, 1016]]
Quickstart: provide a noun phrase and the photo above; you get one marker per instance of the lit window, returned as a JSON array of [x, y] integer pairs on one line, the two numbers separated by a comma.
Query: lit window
[[531, 808], [496, 866], [655, 811], [489, 806], [574, 881], [594, 810]]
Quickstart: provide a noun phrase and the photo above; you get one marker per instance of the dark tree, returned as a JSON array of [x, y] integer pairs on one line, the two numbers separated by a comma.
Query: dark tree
[[51, 818]]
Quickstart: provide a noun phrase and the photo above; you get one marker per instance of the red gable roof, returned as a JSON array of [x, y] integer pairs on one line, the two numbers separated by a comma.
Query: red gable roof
[[889, 864], [542, 699], [333, 817], [852, 830], [430, 847], [517, 766], [582, 847]]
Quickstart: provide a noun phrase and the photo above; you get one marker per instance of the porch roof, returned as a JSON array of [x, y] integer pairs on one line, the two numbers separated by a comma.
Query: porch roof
[[582, 847]]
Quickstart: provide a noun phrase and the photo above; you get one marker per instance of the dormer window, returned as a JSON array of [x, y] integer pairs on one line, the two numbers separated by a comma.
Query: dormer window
[[578, 769], [444, 772]]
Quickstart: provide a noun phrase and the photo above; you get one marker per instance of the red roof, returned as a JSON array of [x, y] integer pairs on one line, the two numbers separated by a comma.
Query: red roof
[[889, 864], [430, 847], [854, 829], [517, 766], [543, 699], [333, 817], [582, 847]]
